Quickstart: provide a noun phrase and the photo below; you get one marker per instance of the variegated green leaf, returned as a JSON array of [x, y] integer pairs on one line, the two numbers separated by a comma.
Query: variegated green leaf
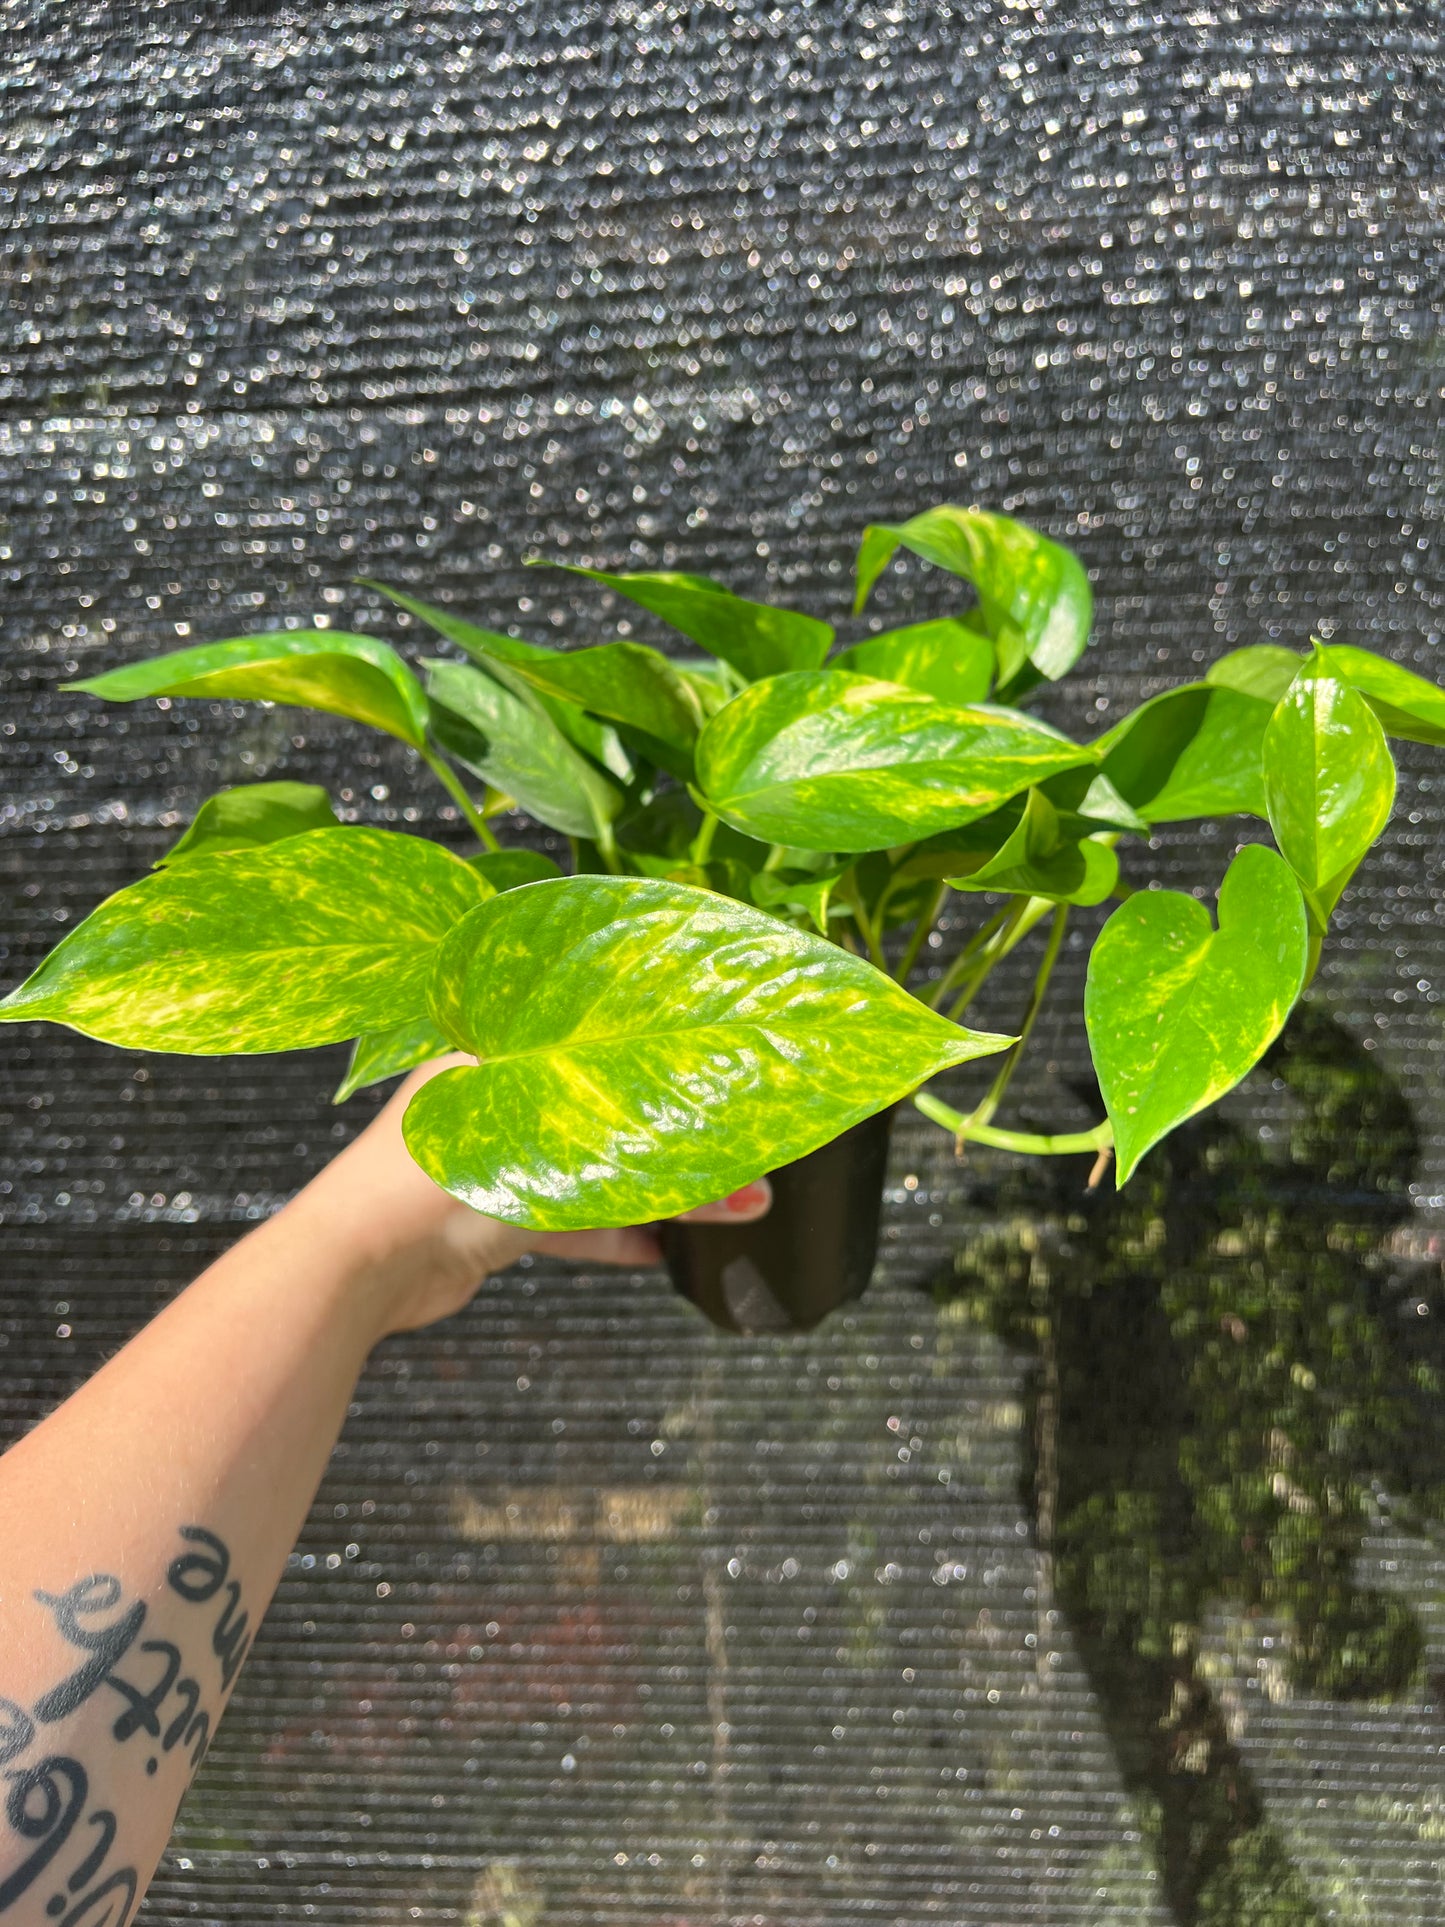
[[1407, 705], [1193, 751], [1177, 1011], [949, 660], [509, 740], [388, 1053], [510, 869], [1034, 598], [1265, 669], [674, 1046], [355, 676], [308, 941], [830, 761], [757, 639], [256, 813], [1039, 858], [623, 682], [1329, 782]]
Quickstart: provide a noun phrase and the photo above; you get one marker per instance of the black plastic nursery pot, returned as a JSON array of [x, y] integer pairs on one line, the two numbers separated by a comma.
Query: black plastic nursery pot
[[813, 1251]]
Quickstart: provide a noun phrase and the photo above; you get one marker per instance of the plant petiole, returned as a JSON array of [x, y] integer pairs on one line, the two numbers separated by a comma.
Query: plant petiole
[[853, 897], [702, 842], [454, 789], [958, 969], [927, 917], [1029, 1143], [983, 1114]]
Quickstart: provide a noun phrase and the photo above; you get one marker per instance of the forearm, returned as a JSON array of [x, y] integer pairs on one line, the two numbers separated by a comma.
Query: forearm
[[143, 1528], [144, 1525]]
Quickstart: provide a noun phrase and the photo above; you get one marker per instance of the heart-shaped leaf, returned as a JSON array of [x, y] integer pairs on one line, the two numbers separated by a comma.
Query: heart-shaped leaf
[[511, 741], [319, 938], [1177, 1011], [1194, 751], [1329, 782], [354, 676], [1033, 595], [256, 813], [624, 682], [757, 639], [829, 761], [388, 1053], [947, 659], [1265, 669], [1040, 859], [1407, 705], [675, 1046]]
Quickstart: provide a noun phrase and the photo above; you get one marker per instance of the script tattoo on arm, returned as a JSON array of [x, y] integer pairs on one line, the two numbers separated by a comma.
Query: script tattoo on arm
[[44, 1800]]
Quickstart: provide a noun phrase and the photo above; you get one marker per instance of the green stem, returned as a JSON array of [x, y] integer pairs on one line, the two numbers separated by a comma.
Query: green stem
[[774, 859], [958, 968], [1059, 1144], [927, 917], [853, 897], [983, 1114], [453, 787], [1002, 941], [607, 848], [1032, 911], [702, 842]]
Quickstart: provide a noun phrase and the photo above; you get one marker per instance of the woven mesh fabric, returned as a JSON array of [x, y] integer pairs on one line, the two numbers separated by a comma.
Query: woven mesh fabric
[[600, 1617]]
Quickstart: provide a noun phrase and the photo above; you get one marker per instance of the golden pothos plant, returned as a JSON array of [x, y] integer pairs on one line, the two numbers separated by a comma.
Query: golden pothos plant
[[763, 838]]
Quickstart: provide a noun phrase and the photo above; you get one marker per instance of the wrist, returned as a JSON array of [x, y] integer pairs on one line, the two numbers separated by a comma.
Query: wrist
[[402, 1250]]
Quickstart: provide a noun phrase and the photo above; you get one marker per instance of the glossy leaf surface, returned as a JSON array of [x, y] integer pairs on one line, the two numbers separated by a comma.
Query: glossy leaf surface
[[1193, 751], [355, 676], [1088, 794], [388, 1053], [945, 659], [676, 1046], [624, 682], [757, 639], [513, 743], [1329, 781], [1040, 859], [1265, 670], [1407, 705], [831, 761], [487, 647], [309, 941], [1177, 1011], [1033, 595], [256, 813]]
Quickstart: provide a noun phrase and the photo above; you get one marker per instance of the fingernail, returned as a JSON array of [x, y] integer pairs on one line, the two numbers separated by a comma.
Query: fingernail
[[749, 1198]]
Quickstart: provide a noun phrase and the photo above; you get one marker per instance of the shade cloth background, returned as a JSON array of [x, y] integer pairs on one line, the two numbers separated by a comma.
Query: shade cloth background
[[599, 1617]]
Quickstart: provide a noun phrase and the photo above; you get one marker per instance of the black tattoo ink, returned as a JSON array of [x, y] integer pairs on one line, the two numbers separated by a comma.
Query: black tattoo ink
[[144, 1707], [17, 1730], [117, 1892], [190, 1692], [91, 1865], [199, 1576], [230, 1641], [198, 1736], [38, 1810], [75, 1612]]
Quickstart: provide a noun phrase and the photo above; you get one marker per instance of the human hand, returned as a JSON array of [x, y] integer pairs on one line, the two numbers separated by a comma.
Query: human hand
[[419, 1255]]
